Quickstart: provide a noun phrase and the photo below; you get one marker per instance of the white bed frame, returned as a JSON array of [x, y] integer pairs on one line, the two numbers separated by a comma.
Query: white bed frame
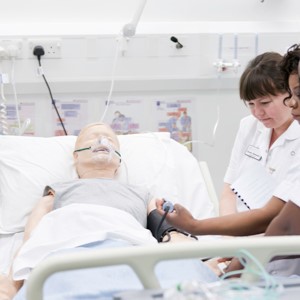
[[209, 185], [143, 259]]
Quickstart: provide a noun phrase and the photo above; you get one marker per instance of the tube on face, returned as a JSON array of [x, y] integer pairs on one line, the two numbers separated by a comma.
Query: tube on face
[[103, 150]]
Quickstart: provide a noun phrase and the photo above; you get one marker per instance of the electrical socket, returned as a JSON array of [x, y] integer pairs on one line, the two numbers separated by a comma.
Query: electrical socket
[[52, 47], [11, 48]]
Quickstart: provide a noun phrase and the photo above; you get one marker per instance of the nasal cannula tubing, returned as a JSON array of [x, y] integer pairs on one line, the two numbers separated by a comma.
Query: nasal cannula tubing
[[212, 143], [101, 141]]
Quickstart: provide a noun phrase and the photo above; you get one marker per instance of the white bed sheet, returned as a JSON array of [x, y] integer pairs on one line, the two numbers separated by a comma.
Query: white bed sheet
[[9, 245], [75, 225]]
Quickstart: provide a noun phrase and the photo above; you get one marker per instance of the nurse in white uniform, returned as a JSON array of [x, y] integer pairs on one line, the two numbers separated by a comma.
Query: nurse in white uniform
[[267, 142], [281, 214]]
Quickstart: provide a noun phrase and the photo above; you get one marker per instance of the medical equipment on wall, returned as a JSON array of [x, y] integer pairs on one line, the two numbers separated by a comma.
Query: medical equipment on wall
[[175, 40], [4, 126], [221, 64], [127, 32], [3, 112], [4, 79], [26, 123], [130, 28], [10, 52], [3, 109]]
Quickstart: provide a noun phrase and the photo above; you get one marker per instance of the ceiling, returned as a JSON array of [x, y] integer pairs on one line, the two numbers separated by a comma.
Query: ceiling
[[120, 11], [53, 17]]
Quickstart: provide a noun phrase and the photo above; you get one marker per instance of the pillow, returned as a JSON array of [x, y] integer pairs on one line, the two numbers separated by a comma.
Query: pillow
[[167, 169], [147, 161], [152, 160], [192, 191], [27, 165]]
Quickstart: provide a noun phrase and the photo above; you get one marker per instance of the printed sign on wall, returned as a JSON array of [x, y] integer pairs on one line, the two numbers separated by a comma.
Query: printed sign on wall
[[74, 115], [21, 122], [174, 117], [124, 116]]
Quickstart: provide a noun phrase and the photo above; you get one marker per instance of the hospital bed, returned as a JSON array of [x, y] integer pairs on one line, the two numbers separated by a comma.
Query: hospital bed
[[144, 259], [152, 160]]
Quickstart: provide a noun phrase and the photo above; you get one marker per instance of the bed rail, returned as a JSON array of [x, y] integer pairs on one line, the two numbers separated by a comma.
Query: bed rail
[[144, 258]]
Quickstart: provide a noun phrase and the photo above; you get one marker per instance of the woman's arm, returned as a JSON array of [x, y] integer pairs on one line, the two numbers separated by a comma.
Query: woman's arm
[[227, 204], [287, 222], [172, 234], [245, 223]]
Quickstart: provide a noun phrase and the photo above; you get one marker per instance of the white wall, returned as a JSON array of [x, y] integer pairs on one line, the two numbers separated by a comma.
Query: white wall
[[150, 66]]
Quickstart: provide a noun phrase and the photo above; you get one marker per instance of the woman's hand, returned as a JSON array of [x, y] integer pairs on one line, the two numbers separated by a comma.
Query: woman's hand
[[180, 217]]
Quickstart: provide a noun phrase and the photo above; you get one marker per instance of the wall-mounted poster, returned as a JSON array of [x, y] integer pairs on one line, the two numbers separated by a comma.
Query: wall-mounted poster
[[124, 116], [21, 122], [74, 115], [174, 117]]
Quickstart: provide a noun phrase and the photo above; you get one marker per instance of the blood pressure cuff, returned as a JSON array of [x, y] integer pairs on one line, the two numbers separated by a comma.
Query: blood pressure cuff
[[153, 222]]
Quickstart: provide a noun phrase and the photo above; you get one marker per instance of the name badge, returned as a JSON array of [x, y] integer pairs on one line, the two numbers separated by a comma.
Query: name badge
[[253, 152]]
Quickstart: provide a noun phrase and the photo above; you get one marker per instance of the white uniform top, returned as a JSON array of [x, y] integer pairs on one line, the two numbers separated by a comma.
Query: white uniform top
[[251, 149]]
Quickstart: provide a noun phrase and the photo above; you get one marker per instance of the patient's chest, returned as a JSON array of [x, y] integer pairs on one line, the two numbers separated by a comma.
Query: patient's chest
[[106, 192]]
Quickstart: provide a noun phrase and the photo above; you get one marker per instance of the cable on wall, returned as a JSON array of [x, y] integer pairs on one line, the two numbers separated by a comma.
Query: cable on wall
[[127, 32], [3, 110], [112, 79], [13, 84], [39, 51]]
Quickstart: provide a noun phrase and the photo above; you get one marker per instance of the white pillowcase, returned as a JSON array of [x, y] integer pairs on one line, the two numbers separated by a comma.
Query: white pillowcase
[[167, 169], [147, 161], [152, 160], [27, 165]]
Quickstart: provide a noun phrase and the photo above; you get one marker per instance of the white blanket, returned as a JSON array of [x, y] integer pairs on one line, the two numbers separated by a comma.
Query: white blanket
[[75, 225]]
